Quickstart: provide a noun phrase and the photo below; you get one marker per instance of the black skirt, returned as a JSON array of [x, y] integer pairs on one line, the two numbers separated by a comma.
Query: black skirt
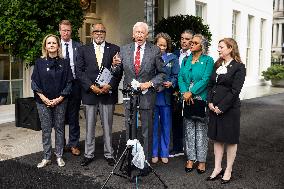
[[225, 127]]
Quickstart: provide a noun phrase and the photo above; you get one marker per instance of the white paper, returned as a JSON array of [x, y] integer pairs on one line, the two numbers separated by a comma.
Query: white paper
[[104, 77]]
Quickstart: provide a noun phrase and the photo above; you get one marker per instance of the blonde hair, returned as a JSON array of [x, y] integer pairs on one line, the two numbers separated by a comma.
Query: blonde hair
[[235, 53], [43, 49]]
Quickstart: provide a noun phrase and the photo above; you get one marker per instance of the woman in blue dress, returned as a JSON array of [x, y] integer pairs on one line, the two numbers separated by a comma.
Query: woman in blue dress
[[163, 109]]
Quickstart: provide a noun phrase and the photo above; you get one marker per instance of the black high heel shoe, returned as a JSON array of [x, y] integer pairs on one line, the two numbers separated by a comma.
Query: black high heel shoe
[[219, 175], [223, 181], [187, 169]]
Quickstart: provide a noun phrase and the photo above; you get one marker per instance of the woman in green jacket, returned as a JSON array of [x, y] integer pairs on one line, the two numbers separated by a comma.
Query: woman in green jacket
[[192, 80]]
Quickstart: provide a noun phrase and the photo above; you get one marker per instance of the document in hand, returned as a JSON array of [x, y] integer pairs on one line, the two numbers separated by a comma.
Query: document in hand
[[104, 76]]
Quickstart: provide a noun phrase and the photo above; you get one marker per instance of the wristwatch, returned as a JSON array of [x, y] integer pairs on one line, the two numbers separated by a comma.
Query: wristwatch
[[152, 84]]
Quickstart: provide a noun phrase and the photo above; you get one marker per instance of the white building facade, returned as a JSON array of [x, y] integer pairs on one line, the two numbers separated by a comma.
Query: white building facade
[[247, 21], [278, 31]]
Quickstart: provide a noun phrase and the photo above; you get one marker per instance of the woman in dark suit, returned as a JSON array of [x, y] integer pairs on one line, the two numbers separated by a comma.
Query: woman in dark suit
[[51, 83], [223, 100]]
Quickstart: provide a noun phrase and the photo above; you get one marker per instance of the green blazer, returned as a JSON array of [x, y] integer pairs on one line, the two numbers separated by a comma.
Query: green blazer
[[198, 74]]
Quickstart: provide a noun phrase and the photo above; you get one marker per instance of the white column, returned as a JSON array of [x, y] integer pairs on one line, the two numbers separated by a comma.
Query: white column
[[280, 36], [280, 5], [276, 7], [274, 35]]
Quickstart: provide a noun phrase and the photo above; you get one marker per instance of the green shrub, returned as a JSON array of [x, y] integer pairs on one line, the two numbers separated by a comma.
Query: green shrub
[[274, 72], [24, 23]]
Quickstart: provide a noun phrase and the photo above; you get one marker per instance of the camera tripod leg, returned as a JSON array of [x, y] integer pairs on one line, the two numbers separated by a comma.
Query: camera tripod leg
[[165, 186], [115, 166]]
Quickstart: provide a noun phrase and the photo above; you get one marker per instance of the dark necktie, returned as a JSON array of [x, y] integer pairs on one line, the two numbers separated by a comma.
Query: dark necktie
[[185, 59], [67, 51], [137, 61]]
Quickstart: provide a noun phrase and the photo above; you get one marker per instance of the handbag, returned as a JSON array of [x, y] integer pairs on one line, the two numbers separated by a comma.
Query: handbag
[[196, 110]]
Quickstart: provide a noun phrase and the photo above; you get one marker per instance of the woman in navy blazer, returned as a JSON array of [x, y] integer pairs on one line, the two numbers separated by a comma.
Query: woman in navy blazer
[[223, 100], [51, 83], [163, 112]]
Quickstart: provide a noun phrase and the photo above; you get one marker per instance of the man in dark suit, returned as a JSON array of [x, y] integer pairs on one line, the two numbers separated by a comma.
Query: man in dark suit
[[177, 120], [70, 51], [141, 61], [92, 58]]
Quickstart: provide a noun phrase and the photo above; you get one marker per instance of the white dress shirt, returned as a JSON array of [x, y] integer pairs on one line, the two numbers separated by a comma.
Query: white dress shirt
[[182, 55], [70, 50]]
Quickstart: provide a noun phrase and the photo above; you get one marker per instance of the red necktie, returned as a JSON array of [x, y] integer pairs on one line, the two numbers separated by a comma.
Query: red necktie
[[137, 60]]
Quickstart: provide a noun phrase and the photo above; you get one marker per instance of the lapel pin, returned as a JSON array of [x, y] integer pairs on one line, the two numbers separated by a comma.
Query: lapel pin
[[47, 69]]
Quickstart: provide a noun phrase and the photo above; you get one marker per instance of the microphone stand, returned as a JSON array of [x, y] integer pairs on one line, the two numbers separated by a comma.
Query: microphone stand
[[127, 169]]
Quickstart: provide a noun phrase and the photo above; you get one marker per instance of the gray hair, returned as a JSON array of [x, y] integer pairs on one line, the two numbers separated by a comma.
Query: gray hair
[[204, 43], [141, 24], [188, 31]]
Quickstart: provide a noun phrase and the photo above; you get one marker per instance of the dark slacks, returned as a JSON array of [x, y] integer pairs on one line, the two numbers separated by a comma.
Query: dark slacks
[[177, 127], [72, 114], [146, 139]]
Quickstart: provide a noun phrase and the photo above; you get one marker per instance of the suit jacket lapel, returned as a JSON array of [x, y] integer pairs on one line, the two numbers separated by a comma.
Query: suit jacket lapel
[[92, 50], [131, 56], [147, 51], [106, 55], [75, 49]]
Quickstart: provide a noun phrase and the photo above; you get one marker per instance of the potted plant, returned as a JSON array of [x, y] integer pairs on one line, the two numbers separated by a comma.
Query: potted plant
[[275, 73]]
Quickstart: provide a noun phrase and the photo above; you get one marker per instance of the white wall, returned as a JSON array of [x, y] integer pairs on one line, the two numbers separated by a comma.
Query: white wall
[[219, 18]]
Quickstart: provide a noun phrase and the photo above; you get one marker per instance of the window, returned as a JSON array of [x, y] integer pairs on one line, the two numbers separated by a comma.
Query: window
[[248, 50], [235, 24], [88, 33], [261, 40], [200, 10], [11, 79], [93, 6], [151, 15]]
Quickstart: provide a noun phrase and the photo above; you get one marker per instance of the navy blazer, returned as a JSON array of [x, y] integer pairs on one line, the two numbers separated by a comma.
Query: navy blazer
[[52, 77], [171, 66], [87, 71]]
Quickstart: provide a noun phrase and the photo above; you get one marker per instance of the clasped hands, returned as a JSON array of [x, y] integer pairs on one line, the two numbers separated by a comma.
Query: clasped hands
[[214, 108], [104, 89], [187, 96], [51, 103]]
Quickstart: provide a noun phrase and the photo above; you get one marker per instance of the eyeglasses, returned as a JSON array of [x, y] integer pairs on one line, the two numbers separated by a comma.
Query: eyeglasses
[[99, 31], [194, 43]]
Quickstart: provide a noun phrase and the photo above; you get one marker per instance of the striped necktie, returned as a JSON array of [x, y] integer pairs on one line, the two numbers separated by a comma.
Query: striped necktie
[[99, 55]]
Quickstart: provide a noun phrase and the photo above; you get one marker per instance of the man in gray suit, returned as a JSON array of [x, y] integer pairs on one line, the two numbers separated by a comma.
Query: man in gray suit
[[141, 61], [92, 58], [70, 52]]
